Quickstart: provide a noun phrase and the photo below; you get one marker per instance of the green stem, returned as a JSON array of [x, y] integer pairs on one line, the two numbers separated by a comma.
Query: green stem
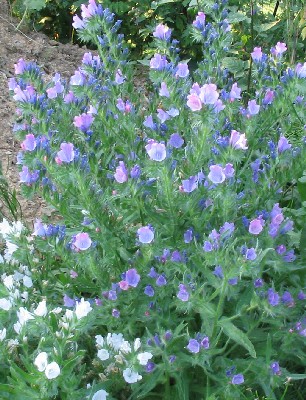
[[219, 308]]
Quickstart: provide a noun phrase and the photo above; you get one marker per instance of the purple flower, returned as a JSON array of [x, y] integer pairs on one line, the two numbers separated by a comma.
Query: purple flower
[[163, 91], [237, 379], [199, 22], [90, 10], [82, 241], [235, 92], [176, 141], [257, 54], [300, 70], [233, 281], [189, 185], [173, 112], [176, 256], [69, 97], [253, 108], [216, 174], [193, 346], [275, 369], [238, 140], [273, 297], [207, 247], [68, 302], [209, 94], [135, 172], [258, 282], [281, 249], [229, 171], [289, 256], [119, 78], [205, 343], [162, 115], [279, 49], [269, 97], [28, 177], [161, 280], [149, 291], [301, 295], [78, 23], [148, 122], [150, 366], [29, 143], [145, 234], [256, 226], [218, 272], [39, 229], [188, 235], [115, 313], [152, 273], [283, 144], [121, 174], [183, 293], [66, 154], [78, 79], [182, 70], [158, 62], [20, 67], [162, 32], [194, 102], [287, 299], [156, 151], [172, 358], [132, 278], [83, 121], [251, 254], [24, 95]]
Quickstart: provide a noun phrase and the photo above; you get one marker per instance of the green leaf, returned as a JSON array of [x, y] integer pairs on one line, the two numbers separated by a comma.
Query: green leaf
[[237, 336], [265, 27], [235, 17], [35, 4], [233, 64], [303, 33], [296, 377]]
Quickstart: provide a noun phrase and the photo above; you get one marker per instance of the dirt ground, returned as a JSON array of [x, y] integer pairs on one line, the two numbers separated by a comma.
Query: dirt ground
[[52, 57]]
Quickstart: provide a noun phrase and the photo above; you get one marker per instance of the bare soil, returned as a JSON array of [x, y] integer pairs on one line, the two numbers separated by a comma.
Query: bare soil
[[52, 57]]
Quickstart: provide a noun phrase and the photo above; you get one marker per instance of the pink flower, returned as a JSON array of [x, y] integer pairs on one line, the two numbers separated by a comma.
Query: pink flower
[[257, 54], [256, 226], [238, 141], [209, 94], [194, 102], [82, 241]]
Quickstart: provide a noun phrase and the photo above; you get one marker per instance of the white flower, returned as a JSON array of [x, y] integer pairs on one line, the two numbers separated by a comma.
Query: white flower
[[125, 347], [27, 281], [24, 315], [41, 309], [52, 370], [2, 334], [131, 376], [17, 327], [143, 358], [82, 309], [103, 354], [41, 361], [8, 282], [100, 395], [5, 304], [114, 340], [99, 340], [56, 310], [137, 344], [68, 315]]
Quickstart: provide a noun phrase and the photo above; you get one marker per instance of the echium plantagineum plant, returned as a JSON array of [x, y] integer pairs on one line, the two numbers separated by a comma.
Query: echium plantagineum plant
[[174, 269]]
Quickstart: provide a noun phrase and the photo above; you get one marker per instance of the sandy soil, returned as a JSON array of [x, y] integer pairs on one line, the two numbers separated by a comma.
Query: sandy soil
[[52, 57]]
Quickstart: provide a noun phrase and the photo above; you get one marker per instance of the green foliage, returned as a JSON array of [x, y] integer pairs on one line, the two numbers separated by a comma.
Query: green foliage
[[9, 205]]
